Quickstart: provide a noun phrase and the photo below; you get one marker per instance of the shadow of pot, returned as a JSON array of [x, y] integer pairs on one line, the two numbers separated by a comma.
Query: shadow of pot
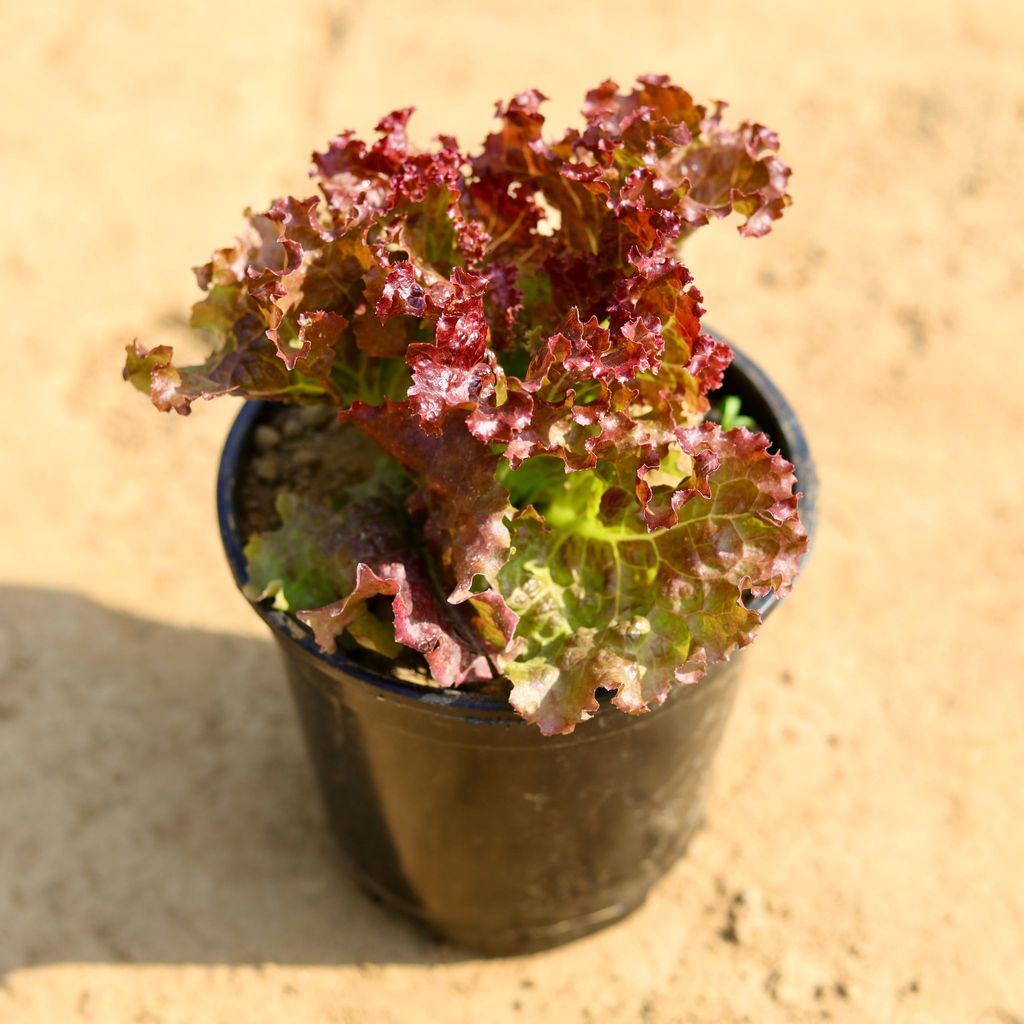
[[453, 811]]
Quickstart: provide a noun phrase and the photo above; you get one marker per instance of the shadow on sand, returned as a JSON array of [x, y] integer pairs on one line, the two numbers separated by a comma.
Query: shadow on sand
[[157, 805]]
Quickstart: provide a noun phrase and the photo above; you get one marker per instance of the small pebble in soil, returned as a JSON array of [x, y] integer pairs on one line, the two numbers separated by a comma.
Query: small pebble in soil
[[314, 415], [267, 468], [266, 437], [292, 426]]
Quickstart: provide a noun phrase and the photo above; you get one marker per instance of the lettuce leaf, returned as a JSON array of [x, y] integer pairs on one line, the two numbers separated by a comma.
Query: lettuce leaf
[[465, 505], [604, 603], [354, 569]]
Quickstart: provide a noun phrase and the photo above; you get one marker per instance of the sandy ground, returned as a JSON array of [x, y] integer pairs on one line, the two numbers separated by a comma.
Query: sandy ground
[[163, 856]]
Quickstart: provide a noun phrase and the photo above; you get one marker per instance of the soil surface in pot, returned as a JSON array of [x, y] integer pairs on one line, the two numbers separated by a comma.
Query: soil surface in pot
[[303, 450]]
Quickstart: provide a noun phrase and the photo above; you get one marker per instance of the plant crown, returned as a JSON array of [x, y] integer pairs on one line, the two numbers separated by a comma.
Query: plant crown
[[516, 333]]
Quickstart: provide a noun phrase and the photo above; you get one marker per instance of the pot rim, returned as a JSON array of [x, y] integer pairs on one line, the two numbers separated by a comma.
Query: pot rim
[[789, 439]]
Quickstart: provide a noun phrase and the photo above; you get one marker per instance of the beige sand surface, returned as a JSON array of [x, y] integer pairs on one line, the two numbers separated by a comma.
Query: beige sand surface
[[162, 854]]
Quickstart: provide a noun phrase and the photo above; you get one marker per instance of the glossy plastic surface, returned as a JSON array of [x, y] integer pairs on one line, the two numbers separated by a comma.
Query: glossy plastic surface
[[455, 812]]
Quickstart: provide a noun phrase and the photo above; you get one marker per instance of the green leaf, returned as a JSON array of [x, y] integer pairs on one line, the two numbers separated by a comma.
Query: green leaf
[[361, 567], [730, 416], [311, 561], [606, 604]]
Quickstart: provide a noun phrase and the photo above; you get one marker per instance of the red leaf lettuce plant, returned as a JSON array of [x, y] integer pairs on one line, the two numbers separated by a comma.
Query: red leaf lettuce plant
[[515, 332]]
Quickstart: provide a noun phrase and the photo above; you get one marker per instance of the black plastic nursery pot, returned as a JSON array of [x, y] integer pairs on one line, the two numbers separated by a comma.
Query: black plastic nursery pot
[[455, 812]]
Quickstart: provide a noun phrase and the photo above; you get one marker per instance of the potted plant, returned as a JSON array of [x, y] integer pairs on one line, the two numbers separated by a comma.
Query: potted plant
[[480, 496]]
